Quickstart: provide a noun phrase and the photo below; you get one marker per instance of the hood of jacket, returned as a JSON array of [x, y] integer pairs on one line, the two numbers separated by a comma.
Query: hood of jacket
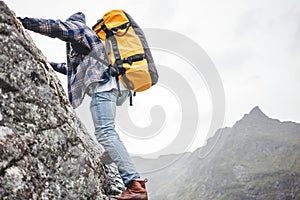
[[79, 16]]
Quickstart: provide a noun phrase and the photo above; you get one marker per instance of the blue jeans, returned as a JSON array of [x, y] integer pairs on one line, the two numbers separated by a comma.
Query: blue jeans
[[103, 109]]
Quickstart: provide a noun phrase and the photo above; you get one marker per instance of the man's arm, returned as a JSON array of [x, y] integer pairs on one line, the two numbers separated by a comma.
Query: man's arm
[[66, 31], [59, 67]]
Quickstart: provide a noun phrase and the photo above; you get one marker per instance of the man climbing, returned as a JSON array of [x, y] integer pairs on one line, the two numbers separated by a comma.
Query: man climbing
[[88, 76]]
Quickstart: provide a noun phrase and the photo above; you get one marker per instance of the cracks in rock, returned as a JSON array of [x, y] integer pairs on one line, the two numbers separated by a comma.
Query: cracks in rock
[[14, 160], [10, 164], [52, 127], [27, 151], [6, 87], [35, 77]]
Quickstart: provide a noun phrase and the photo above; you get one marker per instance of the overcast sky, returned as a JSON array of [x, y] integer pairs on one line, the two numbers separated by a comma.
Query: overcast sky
[[255, 45]]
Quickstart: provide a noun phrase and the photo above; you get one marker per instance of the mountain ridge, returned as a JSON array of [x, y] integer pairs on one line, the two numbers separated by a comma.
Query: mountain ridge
[[257, 158]]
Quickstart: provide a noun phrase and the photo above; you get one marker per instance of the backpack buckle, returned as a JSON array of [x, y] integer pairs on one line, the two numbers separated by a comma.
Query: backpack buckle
[[119, 62], [113, 71], [128, 60]]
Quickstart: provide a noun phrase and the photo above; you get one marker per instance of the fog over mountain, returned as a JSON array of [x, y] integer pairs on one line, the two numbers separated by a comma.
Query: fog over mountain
[[257, 158]]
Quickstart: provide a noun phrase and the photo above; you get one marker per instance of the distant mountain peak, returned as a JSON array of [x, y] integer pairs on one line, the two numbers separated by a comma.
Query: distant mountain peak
[[257, 112], [255, 116]]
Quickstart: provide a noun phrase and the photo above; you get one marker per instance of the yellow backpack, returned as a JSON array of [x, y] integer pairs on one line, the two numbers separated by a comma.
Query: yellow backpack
[[130, 58]]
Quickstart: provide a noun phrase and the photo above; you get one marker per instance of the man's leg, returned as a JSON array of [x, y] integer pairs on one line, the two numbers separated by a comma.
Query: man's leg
[[103, 109]]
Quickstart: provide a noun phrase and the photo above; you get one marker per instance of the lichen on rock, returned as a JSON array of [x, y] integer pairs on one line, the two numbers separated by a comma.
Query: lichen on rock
[[45, 151]]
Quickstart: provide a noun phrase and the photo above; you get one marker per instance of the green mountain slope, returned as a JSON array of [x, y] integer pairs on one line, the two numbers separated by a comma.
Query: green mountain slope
[[258, 158]]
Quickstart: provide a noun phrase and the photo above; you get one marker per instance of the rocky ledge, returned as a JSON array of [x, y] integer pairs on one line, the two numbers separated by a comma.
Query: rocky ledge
[[45, 152]]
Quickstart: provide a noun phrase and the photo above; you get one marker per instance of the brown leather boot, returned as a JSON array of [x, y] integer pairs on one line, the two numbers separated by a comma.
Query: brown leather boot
[[136, 190]]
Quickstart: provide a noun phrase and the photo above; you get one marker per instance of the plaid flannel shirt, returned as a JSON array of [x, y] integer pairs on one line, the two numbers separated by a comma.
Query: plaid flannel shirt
[[82, 70]]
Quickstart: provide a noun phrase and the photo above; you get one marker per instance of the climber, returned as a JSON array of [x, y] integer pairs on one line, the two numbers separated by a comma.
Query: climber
[[88, 76]]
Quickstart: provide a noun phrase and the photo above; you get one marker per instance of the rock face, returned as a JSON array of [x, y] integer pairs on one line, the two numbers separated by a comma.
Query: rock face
[[45, 152]]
